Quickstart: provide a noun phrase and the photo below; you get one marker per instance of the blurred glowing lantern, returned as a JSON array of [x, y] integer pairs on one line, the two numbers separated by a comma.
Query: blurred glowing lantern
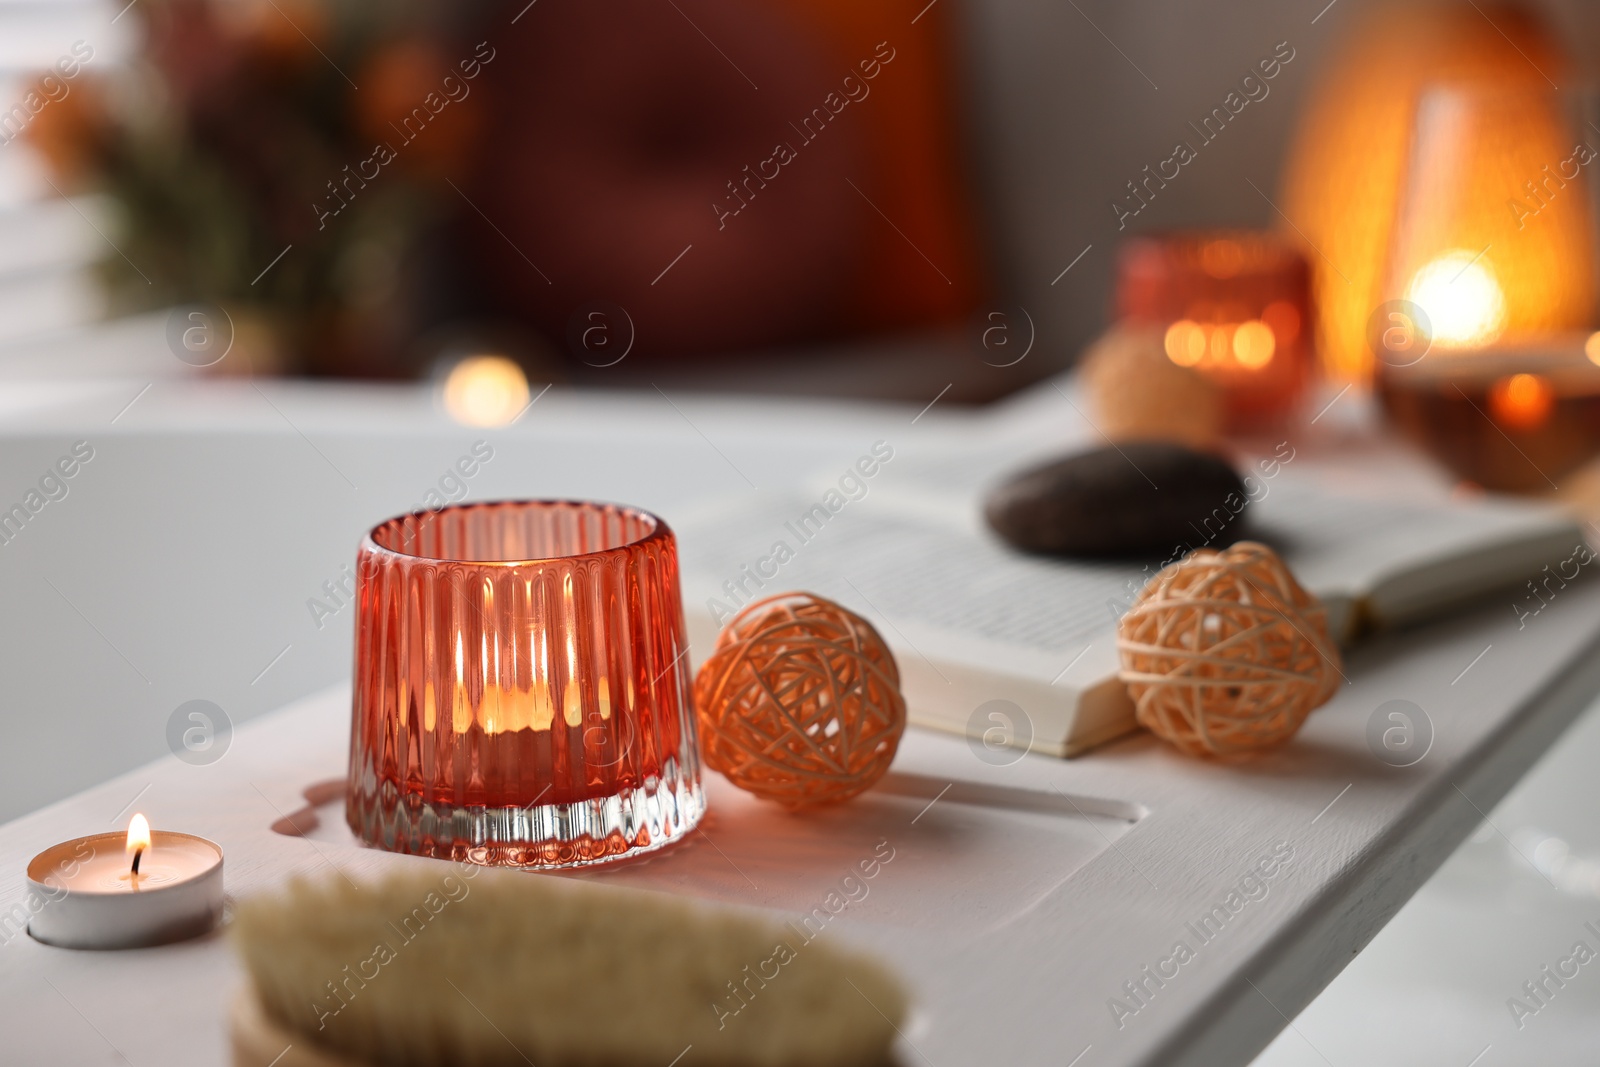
[[1367, 152], [1493, 235], [1233, 305], [485, 391]]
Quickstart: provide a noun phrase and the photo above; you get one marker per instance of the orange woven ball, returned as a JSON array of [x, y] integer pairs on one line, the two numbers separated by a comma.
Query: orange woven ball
[[800, 701], [1224, 652]]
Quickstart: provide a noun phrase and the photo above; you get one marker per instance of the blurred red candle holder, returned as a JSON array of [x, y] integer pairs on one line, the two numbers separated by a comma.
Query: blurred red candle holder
[[522, 686], [1235, 305]]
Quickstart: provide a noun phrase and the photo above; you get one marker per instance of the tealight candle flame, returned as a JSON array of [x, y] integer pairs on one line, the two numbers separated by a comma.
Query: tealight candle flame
[[138, 834], [138, 839]]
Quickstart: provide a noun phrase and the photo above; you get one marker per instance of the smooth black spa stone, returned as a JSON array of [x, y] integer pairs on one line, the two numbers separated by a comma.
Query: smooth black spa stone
[[1136, 498]]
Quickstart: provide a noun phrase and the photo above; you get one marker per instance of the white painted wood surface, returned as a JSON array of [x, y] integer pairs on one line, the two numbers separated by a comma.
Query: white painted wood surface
[[1001, 907], [1444, 981], [1015, 919]]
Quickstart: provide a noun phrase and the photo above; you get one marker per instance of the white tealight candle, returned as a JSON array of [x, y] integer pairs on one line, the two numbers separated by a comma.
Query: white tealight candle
[[125, 891]]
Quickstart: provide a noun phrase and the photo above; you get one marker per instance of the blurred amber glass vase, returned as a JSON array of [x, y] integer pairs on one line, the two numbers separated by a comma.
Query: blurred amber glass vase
[[521, 686], [1495, 234], [1514, 418]]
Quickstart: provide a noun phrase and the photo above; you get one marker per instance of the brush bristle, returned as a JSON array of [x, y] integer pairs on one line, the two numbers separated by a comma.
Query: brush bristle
[[476, 967]]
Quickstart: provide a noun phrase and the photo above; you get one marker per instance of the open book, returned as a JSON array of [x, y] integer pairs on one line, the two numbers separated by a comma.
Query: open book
[[1021, 650]]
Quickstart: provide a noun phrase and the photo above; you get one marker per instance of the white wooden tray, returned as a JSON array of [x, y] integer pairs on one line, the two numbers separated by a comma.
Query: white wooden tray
[[1021, 901]]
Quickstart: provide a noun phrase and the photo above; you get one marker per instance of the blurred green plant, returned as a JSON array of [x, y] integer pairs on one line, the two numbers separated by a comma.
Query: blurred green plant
[[235, 155]]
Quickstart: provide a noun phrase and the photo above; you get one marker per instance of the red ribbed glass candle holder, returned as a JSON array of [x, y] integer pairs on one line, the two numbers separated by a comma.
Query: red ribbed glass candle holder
[[521, 686]]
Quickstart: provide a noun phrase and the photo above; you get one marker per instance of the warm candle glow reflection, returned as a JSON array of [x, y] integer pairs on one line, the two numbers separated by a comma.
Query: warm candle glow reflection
[[1250, 345], [138, 835], [1185, 343], [485, 391], [1253, 345], [1522, 401], [1591, 348], [1462, 297]]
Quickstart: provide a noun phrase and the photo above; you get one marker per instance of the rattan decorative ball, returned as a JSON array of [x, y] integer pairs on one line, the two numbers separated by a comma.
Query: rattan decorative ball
[[1224, 653], [800, 702], [1138, 394]]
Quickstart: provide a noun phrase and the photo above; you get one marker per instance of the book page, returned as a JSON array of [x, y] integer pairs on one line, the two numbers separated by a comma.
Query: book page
[[951, 593], [914, 555], [1364, 546]]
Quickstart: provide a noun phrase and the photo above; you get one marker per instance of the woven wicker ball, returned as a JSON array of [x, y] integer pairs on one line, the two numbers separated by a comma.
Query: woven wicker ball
[[800, 702], [1224, 653], [1138, 394]]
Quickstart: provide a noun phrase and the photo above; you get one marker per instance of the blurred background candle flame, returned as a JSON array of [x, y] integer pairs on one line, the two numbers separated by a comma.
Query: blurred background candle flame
[[485, 391], [1462, 298]]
